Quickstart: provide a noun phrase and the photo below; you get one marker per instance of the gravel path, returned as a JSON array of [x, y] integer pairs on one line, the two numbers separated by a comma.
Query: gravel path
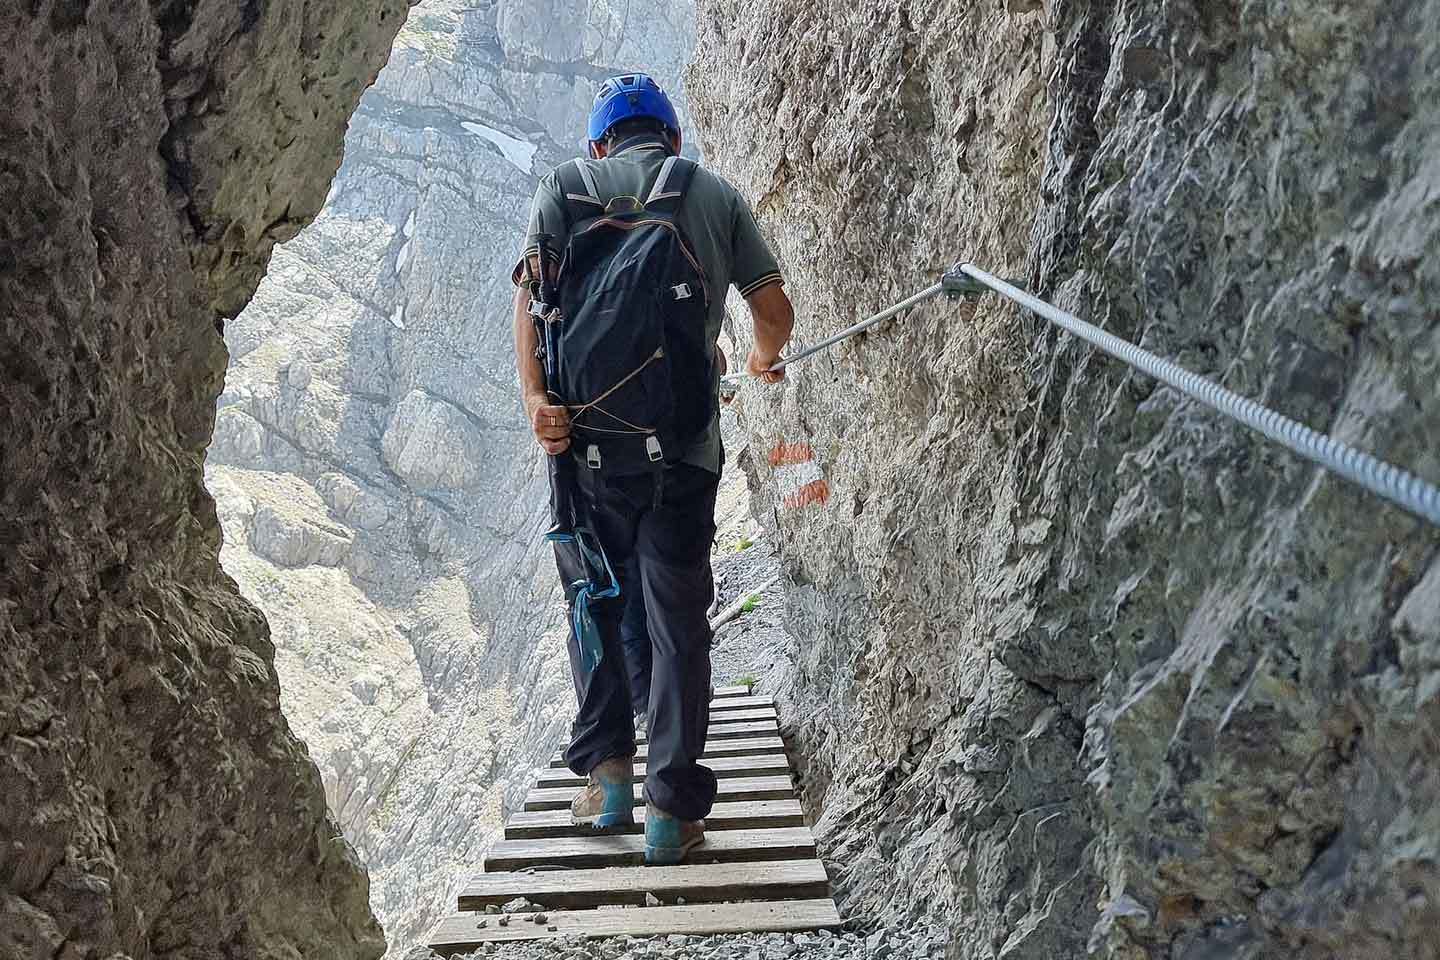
[[893, 944], [747, 647]]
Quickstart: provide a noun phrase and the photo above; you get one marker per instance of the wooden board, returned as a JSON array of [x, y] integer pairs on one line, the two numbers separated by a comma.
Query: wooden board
[[722, 693], [697, 883], [739, 788], [739, 815], [713, 748], [733, 731], [461, 933], [740, 703], [737, 716], [628, 850], [723, 768]]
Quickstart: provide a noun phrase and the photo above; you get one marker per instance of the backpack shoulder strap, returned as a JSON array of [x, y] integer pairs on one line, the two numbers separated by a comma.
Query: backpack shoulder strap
[[577, 188], [671, 184]]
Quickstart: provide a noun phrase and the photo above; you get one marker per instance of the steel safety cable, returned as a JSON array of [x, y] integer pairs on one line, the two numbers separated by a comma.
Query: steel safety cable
[[1385, 480], [867, 323]]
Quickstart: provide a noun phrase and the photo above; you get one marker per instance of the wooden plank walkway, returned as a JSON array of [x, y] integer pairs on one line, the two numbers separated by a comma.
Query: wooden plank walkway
[[748, 815], [696, 883], [730, 731], [722, 705], [626, 849], [756, 872], [724, 767], [732, 789], [742, 747]]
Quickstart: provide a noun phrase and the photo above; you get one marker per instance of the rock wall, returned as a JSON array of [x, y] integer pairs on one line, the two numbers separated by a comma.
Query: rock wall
[[1127, 679], [152, 798], [381, 497]]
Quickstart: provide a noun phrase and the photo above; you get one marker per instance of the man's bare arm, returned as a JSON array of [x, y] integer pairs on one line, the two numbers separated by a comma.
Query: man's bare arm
[[550, 423], [774, 319]]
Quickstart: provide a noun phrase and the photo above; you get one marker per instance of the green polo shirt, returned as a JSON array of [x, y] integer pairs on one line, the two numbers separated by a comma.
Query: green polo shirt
[[716, 220]]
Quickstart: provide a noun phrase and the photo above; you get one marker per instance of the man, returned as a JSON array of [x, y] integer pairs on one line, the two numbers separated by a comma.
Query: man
[[655, 525]]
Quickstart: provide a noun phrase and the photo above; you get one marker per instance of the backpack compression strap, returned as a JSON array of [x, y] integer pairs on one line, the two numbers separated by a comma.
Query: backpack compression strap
[[583, 199], [671, 183]]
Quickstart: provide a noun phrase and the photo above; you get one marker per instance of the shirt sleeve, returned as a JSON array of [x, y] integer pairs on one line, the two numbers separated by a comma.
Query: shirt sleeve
[[549, 208], [753, 263]]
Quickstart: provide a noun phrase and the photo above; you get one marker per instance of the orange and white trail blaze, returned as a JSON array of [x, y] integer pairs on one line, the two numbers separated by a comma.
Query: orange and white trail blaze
[[798, 481]]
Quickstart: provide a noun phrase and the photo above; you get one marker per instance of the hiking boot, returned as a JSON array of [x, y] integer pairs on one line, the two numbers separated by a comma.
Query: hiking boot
[[609, 800], [667, 839]]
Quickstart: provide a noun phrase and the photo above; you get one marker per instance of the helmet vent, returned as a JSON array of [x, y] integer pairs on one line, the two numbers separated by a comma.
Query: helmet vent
[[628, 81]]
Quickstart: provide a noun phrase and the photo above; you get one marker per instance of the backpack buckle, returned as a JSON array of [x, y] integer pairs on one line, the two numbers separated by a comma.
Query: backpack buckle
[[652, 448], [681, 291], [592, 457]]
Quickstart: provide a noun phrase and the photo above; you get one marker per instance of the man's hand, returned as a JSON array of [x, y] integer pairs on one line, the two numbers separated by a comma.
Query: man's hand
[[550, 423], [774, 320], [758, 366]]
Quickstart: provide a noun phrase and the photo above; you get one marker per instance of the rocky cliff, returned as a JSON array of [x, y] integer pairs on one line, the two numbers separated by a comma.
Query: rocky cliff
[[380, 494], [152, 798], [1125, 677]]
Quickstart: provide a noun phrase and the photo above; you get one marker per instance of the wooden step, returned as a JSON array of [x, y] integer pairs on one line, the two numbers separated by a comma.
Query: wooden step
[[722, 693], [739, 788], [462, 933], [732, 731], [738, 716], [723, 767], [740, 703], [628, 850], [713, 749], [739, 815], [697, 883]]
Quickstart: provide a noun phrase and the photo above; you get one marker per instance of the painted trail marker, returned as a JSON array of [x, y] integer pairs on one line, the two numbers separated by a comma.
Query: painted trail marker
[[798, 480]]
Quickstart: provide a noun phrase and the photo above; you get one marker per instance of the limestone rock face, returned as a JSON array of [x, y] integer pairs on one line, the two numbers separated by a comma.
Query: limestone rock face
[[431, 443], [153, 801], [1086, 666], [381, 496]]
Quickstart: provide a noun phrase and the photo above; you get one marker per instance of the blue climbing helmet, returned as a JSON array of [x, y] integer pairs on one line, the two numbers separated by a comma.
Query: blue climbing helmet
[[626, 96]]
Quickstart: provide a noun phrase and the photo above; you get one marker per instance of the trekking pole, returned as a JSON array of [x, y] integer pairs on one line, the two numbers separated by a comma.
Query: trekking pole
[[953, 283], [545, 309]]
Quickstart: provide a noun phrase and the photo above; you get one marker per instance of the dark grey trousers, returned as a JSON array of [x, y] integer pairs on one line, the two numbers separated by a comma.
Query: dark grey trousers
[[635, 639], [660, 553]]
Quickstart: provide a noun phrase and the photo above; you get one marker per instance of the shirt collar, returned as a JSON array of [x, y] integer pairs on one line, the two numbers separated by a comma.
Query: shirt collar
[[640, 141]]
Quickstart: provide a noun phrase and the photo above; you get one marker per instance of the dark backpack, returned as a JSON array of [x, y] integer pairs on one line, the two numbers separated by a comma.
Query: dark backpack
[[632, 360]]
